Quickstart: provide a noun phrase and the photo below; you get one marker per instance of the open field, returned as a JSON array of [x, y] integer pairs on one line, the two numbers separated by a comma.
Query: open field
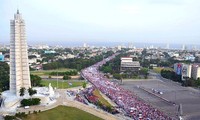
[[158, 69], [62, 84], [62, 113], [101, 99], [173, 92], [47, 72]]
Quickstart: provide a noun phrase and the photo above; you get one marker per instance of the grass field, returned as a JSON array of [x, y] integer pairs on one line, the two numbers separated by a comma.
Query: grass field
[[47, 72], [158, 69], [101, 99], [62, 84], [62, 113]]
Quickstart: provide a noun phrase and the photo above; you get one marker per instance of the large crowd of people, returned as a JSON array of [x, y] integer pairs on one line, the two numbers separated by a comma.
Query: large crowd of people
[[125, 99]]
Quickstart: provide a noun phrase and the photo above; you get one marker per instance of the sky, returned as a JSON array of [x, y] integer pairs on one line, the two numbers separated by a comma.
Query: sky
[[65, 21]]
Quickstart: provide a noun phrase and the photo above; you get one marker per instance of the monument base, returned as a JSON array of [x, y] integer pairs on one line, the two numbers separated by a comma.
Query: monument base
[[10, 100]]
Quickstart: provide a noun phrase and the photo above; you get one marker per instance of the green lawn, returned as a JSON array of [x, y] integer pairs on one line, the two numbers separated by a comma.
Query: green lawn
[[47, 72], [62, 84], [62, 113], [101, 99]]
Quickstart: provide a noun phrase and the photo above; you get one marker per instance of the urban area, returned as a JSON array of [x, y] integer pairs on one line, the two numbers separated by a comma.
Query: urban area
[[89, 82]]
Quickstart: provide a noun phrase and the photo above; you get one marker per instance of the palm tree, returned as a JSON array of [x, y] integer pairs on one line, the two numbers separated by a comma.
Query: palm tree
[[31, 91], [22, 91]]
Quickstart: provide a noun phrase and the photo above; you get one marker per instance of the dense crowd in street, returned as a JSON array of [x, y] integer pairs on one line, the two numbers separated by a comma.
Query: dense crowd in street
[[125, 99]]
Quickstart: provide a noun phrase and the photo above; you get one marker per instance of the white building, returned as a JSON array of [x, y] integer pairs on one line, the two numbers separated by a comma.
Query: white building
[[196, 71], [127, 64], [119, 47], [183, 47], [186, 71], [19, 65], [32, 60]]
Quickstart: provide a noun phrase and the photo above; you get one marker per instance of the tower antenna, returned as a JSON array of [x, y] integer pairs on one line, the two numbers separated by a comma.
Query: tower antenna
[[18, 5]]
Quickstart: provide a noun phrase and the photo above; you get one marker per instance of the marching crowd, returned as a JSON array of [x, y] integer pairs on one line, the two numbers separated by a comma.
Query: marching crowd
[[125, 99]]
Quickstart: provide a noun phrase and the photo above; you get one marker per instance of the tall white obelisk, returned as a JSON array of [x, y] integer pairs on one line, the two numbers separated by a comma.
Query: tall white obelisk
[[19, 66]]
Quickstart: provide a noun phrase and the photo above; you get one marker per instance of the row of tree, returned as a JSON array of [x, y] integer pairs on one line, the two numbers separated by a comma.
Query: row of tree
[[113, 66], [4, 76], [169, 74], [143, 73], [30, 91], [31, 101], [76, 63], [36, 80], [70, 72], [66, 77], [173, 76]]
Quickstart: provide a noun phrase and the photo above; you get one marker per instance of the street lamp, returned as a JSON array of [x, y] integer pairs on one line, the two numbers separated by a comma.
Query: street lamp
[[57, 77]]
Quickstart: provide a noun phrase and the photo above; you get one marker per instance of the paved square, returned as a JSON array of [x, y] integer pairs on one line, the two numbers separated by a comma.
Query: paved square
[[173, 92]]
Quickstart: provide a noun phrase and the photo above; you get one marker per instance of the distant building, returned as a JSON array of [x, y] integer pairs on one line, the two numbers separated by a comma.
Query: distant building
[[167, 46], [190, 58], [184, 47], [49, 51], [70, 56], [127, 64], [32, 60], [1, 57], [85, 45], [130, 45], [119, 47], [153, 65]]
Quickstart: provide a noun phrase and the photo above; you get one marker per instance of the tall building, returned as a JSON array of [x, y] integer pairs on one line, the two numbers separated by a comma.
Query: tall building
[[184, 47], [167, 46], [19, 67]]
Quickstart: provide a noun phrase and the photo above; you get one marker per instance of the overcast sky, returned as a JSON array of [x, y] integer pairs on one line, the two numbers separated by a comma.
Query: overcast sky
[[147, 21]]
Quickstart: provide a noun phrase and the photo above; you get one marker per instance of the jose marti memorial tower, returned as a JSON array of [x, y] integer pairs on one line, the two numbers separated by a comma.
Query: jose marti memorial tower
[[19, 65]]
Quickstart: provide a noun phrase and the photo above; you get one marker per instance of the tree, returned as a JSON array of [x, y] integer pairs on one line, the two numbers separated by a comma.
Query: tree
[[35, 80], [29, 102], [31, 92], [84, 85], [144, 71], [8, 117], [66, 77], [107, 69], [22, 91], [117, 76], [144, 52], [4, 76], [109, 108]]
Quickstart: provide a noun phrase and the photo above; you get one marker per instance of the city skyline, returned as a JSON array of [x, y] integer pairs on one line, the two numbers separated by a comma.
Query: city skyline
[[149, 21]]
